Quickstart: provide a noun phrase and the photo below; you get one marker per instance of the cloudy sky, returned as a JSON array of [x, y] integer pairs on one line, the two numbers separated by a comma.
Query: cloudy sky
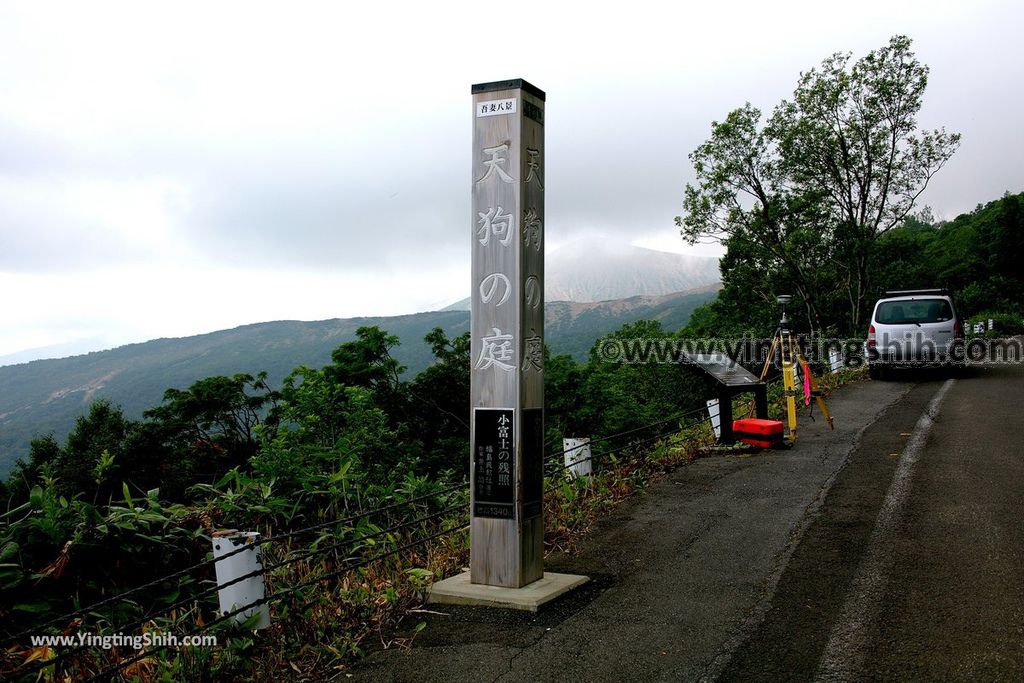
[[175, 168]]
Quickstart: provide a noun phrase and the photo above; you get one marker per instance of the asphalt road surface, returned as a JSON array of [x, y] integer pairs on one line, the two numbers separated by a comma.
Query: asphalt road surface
[[889, 549]]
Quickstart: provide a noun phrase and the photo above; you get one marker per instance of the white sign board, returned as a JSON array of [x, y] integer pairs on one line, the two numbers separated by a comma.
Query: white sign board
[[496, 107]]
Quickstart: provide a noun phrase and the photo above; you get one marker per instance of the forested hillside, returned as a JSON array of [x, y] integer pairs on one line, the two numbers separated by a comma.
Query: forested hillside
[[45, 397], [977, 256], [356, 465]]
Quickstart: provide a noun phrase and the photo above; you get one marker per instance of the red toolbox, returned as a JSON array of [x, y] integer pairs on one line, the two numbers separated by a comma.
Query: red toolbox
[[756, 432]]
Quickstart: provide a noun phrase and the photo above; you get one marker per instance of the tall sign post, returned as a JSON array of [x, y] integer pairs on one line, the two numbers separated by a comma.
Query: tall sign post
[[507, 358], [507, 327]]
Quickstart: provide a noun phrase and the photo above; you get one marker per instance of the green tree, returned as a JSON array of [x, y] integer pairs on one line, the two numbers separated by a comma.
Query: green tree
[[977, 256], [742, 199], [564, 397], [327, 427], [831, 171], [93, 456], [212, 426], [631, 393], [44, 452], [367, 361], [315, 406], [439, 409]]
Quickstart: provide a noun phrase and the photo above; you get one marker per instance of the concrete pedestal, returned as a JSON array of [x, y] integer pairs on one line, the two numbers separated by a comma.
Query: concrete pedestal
[[459, 591]]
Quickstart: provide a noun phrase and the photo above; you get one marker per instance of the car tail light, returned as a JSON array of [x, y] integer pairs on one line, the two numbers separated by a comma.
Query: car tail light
[[872, 343], [958, 330]]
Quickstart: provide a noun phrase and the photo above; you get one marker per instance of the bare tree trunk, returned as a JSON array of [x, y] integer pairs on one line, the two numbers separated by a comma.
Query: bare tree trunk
[[861, 291], [810, 308]]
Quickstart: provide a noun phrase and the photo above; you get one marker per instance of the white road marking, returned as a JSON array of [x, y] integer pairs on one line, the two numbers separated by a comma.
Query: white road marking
[[848, 640]]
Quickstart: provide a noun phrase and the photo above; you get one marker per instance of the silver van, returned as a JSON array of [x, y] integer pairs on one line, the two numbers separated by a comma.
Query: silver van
[[913, 327]]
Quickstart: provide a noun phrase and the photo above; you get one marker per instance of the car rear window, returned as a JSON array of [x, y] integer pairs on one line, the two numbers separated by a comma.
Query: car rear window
[[917, 311]]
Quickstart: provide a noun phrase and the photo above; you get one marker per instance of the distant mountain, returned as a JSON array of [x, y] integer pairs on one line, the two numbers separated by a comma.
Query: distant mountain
[[74, 348], [45, 396], [572, 328], [604, 269]]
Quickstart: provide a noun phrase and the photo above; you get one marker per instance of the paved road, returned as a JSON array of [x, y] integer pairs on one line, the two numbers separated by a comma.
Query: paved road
[[890, 549]]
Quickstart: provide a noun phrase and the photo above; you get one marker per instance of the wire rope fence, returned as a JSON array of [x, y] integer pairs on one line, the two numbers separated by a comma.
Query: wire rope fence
[[351, 553]]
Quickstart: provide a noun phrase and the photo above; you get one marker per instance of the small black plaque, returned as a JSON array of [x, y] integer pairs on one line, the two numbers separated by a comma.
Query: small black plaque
[[494, 463], [533, 462]]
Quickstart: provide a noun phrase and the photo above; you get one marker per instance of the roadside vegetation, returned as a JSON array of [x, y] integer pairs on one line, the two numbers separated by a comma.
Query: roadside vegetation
[[122, 504], [976, 256]]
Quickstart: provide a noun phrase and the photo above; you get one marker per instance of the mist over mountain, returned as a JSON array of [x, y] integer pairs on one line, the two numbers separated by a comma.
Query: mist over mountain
[[594, 269], [602, 269], [72, 348]]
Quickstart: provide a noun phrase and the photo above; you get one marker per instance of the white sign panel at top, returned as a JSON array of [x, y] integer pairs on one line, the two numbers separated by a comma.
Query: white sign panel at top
[[496, 107]]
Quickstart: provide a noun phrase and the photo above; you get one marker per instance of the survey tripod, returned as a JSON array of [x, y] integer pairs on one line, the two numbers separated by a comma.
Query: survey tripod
[[790, 357]]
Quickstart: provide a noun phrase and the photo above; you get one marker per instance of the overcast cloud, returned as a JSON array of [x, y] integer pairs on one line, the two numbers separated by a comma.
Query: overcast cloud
[[184, 167]]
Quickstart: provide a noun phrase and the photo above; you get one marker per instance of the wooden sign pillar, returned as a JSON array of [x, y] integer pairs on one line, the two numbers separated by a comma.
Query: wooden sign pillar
[[507, 324]]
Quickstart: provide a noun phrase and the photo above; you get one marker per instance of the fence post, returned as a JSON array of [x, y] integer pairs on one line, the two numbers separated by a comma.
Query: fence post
[[578, 460], [716, 421], [248, 591], [835, 359]]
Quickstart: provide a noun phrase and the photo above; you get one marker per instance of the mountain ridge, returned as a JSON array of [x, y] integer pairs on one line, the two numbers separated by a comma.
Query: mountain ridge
[[597, 269], [46, 396]]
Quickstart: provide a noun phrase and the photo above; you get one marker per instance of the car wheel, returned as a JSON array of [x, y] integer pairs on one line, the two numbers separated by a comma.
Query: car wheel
[[876, 372]]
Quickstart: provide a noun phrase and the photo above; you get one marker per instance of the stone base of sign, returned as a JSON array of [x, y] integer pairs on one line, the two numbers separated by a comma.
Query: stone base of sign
[[459, 591]]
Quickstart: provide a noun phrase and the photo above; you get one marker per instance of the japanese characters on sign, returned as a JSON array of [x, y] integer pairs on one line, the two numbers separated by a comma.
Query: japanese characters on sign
[[495, 160], [495, 229], [496, 226], [494, 485], [489, 287], [495, 221], [507, 334], [507, 352], [531, 245], [496, 352], [496, 107], [533, 356], [533, 166]]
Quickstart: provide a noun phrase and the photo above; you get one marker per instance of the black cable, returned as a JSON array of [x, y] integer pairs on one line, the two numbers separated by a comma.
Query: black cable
[[647, 440], [288, 561], [349, 567], [594, 456], [131, 626], [601, 439], [561, 467], [120, 597], [110, 671], [289, 534], [653, 424], [631, 444]]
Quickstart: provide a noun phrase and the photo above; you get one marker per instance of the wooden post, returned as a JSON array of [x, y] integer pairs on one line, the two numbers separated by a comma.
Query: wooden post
[[507, 327]]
